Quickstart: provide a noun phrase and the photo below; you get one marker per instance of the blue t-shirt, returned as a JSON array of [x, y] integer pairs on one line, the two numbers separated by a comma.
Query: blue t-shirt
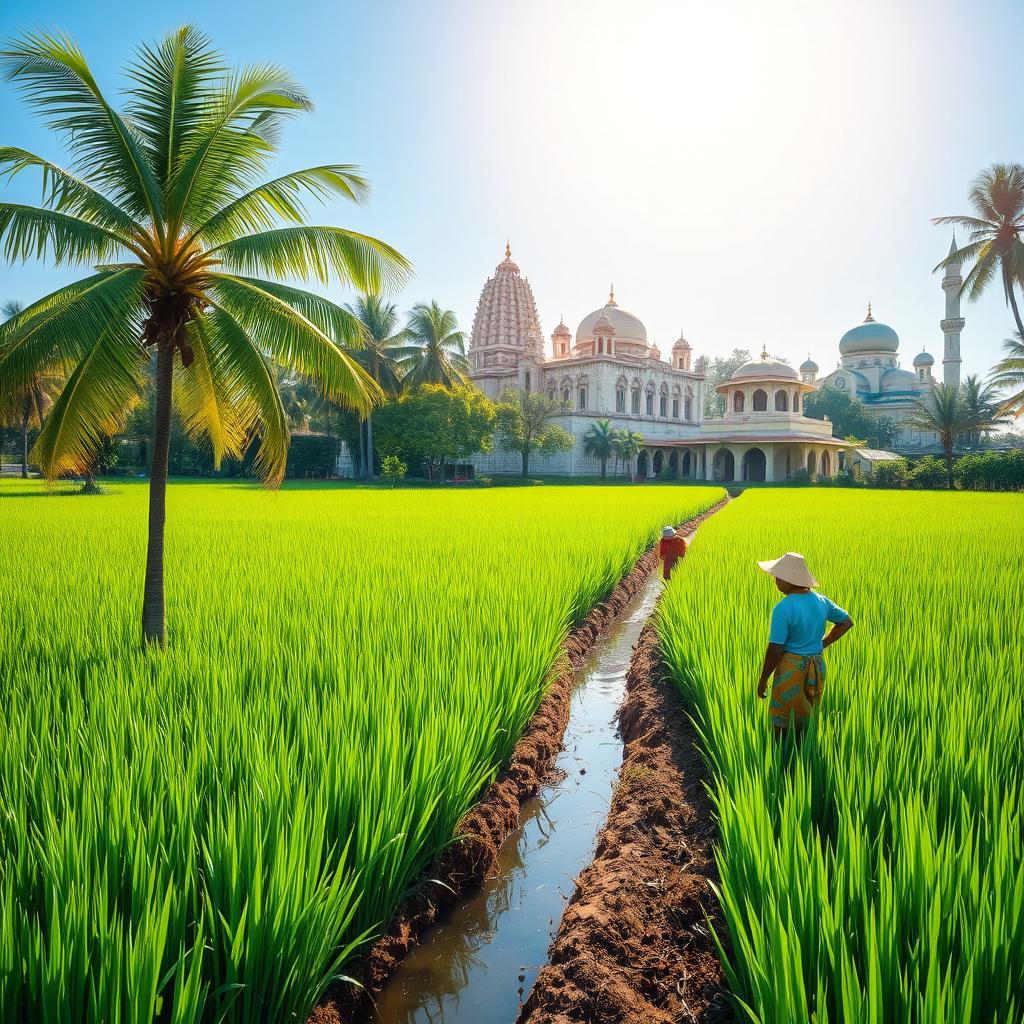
[[798, 622]]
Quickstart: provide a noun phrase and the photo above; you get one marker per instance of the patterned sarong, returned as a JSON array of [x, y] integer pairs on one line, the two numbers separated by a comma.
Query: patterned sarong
[[796, 689]]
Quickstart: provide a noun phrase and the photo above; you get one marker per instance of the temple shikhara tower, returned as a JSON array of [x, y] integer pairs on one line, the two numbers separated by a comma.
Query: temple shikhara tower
[[610, 369]]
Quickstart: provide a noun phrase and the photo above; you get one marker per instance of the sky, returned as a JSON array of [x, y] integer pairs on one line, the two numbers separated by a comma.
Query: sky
[[752, 173]]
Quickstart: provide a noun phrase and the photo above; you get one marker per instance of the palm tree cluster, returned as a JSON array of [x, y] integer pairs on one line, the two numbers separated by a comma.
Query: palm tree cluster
[[603, 441]]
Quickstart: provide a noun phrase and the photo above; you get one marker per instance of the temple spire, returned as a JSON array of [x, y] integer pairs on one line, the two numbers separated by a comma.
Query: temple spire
[[611, 295], [508, 250], [869, 319]]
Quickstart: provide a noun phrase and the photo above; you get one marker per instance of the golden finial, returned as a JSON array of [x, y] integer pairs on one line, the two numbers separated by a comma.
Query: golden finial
[[869, 318], [611, 294], [508, 250], [764, 352]]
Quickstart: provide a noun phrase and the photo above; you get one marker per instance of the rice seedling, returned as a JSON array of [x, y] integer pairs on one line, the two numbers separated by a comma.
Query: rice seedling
[[210, 833], [875, 872]]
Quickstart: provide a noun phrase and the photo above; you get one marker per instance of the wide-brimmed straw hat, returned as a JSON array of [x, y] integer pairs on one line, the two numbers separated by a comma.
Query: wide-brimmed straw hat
[[792, 568], [667, 532]]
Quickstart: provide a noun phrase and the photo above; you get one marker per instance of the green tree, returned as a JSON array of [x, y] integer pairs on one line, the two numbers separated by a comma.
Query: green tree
[[437, 425], [162, 201], [435, 352], [627, 447], [982, 404], [849, 416], [381, 344], [26, 407], [392, 470], [599, 443], [716, 372], [943, 411], [1009, 373], [995, 245], [525, 425]]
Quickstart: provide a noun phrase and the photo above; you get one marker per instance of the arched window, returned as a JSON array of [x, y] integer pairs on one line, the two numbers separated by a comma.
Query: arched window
[[781, 402], [663, 405], [688, 408], [582, 403], [527, 381], [737, 401], [565, 394], [796, 402], [760, 403], [675, 408], [620, 398], [563, 348], [551, 393], [600, 346], [650, 403], [636, 400]]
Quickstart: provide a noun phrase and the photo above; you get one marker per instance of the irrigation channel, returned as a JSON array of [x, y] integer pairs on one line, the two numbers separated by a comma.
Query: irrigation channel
[[478, 965]]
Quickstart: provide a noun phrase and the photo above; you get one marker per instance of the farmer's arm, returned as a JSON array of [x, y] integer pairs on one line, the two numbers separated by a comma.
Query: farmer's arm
[[772, 657], [838, 630]]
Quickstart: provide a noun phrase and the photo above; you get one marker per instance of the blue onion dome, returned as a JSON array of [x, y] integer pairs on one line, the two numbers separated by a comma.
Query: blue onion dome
[[808, 366], [923, 359], [869, 337]]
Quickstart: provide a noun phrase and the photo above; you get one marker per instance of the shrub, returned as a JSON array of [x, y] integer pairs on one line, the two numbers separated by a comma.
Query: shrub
[[891, 474], [991, 471], [928, 472], [392, 469]]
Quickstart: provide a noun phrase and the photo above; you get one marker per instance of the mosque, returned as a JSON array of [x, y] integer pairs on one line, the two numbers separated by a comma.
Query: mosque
[[609, 370]]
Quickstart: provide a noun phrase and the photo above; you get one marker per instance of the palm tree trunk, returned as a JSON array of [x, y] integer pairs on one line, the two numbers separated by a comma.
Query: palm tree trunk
[[24, 448], [1016, 311], [604, 468], [948, 448], [154, 625], [369, 446], [362, 448]]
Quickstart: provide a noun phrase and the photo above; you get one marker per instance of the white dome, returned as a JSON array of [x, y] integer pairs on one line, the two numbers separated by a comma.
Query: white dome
[[924, 359], [897, 380], [627, 326], [765, 367]]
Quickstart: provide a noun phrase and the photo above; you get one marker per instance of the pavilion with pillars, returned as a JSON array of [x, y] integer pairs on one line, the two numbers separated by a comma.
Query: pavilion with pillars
[[764, 435]]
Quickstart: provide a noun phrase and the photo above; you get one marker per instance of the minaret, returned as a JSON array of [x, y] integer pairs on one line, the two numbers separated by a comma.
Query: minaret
[[953, 323]]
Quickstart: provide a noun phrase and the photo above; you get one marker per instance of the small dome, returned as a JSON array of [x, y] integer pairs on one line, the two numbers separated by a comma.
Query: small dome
[[897, 380], [766, 367], [808, 366], [628, 327], [869, 337], [603, 325], [561, 330], [923, 359], [681, 342]]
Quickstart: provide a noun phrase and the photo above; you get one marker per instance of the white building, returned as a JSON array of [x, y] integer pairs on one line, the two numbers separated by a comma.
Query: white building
[[611, 371]]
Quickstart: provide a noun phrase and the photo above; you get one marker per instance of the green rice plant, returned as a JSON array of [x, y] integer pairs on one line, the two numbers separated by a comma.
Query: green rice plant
[[213, 832], [875, 871]]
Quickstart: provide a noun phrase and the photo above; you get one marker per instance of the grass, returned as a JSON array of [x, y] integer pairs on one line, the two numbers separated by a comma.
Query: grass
[[210, 834], [876, 872]]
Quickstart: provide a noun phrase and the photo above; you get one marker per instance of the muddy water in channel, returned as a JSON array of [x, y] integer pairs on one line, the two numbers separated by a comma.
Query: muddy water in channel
[[479, 964]]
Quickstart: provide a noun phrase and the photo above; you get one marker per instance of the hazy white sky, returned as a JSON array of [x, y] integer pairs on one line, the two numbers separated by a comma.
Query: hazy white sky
[[753, 172]]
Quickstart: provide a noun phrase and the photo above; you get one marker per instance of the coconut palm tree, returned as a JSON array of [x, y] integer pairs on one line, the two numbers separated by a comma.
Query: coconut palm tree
[[981, 402], [943, 411], [628, 444], [28, 406], [1009, 373], [164, 202], [599, 442], [381, 345], [436, 349], [995, 245]]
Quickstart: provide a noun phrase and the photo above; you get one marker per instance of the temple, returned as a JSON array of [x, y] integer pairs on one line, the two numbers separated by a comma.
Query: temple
[[610, 370]]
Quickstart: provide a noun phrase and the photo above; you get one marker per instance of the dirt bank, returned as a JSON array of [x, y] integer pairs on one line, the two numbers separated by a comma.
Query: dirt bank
[[633, 946], [467, 862]]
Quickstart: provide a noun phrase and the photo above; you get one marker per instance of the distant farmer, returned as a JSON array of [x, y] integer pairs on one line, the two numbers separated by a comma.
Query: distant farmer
[[795, 642], [672, 548]]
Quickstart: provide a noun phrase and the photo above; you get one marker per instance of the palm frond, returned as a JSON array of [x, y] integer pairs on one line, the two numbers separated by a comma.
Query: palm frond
[[52, 73], [94, 403], [66, 193], [30, 231], [295, 342], [281, 199], [982, 273], [171, 93], [321, 254]]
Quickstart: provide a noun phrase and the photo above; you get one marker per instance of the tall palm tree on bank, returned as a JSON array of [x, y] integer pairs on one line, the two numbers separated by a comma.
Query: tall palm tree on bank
[[1009, 373], [27, 407], [995, 245], [628, 444], [163, 201], [599, 442], [943, 411], [981, 404], [435, 352], [381, 344]]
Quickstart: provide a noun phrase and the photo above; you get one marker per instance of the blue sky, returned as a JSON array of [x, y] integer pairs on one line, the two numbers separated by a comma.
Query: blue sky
[[751, 172]]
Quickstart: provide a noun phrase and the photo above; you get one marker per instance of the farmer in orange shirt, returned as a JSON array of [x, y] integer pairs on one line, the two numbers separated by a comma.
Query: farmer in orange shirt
[[672, 548]]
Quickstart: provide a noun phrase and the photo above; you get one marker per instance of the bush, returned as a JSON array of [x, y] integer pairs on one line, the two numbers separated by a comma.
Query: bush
[[928, 473], [891, 474], [990, 471], [312, 455], [392, 470], [800, 478]]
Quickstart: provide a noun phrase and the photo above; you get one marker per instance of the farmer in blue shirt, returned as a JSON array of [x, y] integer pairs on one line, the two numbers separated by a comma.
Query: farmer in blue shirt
[[795, 643]]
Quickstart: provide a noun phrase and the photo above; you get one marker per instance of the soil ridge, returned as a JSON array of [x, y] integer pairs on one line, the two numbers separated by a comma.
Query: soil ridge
[[466, 863]]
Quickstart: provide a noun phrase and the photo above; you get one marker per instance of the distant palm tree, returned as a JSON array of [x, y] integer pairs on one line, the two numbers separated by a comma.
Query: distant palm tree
[[1009, 373], [995, 245], [188, 250], [27, 407], [628, 444], [981, 403], [381, 344], [435, 352], [599, 442], [943, 411]]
